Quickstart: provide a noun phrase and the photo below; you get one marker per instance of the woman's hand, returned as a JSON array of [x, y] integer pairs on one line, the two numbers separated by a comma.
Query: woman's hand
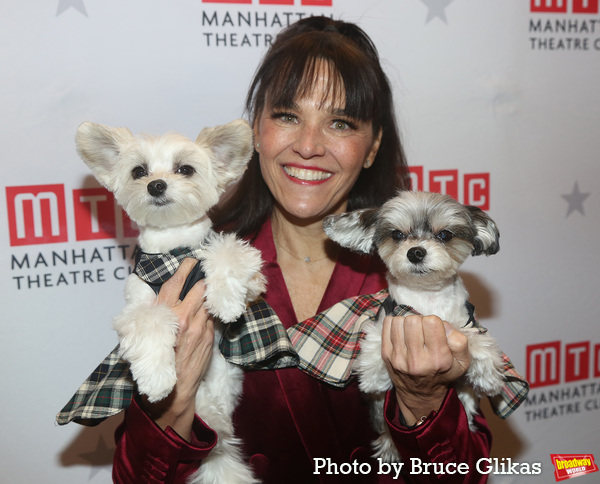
[[193, 351], [423, 355]]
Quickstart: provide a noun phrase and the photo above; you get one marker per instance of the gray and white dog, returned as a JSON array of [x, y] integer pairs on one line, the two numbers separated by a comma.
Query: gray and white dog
[[423, 238]]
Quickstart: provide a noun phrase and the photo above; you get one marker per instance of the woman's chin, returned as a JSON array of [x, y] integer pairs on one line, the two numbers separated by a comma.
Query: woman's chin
[[311, 212]]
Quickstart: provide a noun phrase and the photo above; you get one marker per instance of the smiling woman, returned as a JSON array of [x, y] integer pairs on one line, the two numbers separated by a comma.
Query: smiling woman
[[326, 141], [311, 152]]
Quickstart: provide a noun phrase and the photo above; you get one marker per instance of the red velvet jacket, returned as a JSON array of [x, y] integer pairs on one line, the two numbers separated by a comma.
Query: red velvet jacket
[[289, 421]]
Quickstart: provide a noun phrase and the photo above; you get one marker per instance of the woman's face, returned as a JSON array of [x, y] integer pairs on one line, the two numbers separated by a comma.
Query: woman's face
[[311, 153]]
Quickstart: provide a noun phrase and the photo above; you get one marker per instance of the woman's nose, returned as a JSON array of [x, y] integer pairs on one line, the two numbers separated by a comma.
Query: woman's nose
[[310, 142]]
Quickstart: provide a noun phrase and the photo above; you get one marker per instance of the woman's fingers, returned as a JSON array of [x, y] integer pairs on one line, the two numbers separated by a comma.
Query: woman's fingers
[[171, 289], [423, 351]]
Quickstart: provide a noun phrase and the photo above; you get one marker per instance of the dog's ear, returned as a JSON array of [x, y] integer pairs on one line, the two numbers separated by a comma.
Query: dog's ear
[[487, 236], [232, 147], [353, 230], [99, 147]]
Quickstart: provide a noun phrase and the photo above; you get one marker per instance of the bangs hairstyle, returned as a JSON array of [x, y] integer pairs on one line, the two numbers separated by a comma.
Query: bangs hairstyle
[[292, 72], [356, 81]]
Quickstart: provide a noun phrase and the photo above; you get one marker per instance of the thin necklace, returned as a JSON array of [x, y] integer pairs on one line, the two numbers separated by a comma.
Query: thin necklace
[[306, 259]]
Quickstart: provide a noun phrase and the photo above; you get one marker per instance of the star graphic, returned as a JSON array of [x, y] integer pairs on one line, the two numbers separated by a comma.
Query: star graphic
[[100, 458], [437, 8], [66, 4], [575, 200]]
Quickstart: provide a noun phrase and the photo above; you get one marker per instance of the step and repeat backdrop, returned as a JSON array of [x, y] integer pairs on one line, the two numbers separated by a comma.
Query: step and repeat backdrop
[[499, 106]]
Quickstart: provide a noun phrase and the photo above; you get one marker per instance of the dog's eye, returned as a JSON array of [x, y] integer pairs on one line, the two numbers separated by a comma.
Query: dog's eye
[[139, 172], [398, 235], [185, 170], [445, 236]]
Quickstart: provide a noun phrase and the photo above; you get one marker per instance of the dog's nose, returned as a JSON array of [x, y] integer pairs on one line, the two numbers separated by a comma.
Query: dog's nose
[[157, 187], [416, 254]]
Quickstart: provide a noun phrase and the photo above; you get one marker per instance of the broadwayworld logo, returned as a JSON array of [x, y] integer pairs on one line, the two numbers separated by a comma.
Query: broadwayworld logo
[[567, 466]]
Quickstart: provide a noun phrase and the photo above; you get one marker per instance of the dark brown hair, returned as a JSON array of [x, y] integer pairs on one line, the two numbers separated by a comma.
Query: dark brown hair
[[286, 73]]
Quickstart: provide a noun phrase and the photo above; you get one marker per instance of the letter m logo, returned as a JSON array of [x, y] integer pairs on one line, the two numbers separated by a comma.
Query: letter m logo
[[543, 364], [555, 6], [36, 214], [560, 6]]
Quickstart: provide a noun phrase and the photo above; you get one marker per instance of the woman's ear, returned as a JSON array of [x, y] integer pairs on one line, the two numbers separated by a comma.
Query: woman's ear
[[256, 130], [374, 149], [255, 136]]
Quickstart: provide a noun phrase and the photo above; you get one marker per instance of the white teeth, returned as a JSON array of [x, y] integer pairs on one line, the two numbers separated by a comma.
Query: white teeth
[[306, 175]]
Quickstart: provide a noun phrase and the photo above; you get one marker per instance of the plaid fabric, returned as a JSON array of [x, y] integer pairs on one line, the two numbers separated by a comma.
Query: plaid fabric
[[328, 343], [156, 269], [514, 392], [324, 346], [106, 392], [109, 389], [258, 340]]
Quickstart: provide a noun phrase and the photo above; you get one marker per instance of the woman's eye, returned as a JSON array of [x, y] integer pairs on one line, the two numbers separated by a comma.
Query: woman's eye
[[185, 170], [139, 172], [445, 236], [340, 125], [285, 117]]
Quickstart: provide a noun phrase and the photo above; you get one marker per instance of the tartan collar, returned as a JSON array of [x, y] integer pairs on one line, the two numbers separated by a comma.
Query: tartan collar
[[391, 307], [324, 346], [156, 268]]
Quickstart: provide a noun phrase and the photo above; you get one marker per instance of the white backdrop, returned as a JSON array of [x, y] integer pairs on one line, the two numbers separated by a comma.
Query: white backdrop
[[498, 103]]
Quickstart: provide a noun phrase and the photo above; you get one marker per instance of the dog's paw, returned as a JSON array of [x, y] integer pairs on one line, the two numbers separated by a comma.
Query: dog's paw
[[485, 371], [137, 292], [485, 378], [385, 449], [233, 276], [373, 376], [147, 336], [469, 400], [257, 285], [157, 383], [224, 465]]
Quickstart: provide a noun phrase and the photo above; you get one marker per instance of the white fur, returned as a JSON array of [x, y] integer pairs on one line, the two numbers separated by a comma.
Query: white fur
[[192, 177], [415, 221]]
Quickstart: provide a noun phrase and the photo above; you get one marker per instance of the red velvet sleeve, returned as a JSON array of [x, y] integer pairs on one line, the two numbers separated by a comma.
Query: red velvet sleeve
[[146, 453], [442, 439]]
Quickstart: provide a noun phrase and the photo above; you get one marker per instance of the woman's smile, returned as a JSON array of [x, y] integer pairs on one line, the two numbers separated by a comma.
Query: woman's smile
[[306, 175]]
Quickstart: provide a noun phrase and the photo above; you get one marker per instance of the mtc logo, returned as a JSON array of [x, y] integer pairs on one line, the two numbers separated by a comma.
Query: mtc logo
[[37, 214], [545, 364], [475, 186], [304, 3], [560, 6]]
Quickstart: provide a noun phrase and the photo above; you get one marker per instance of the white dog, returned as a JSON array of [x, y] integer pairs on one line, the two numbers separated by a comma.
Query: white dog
[[167, 185], [423, 238]]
